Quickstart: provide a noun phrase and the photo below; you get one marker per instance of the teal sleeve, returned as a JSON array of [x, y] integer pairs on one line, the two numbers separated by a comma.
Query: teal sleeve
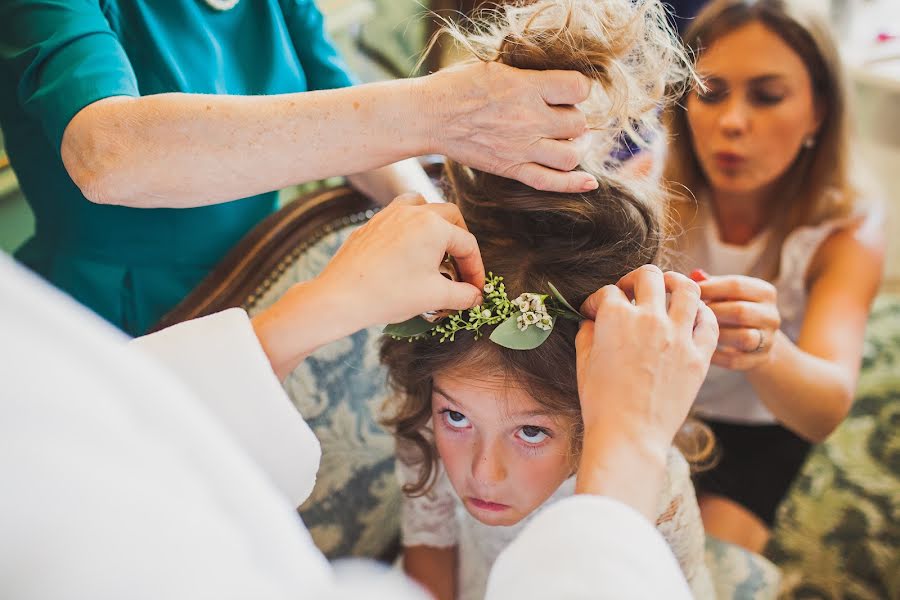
[[64, 56], [324, 67]]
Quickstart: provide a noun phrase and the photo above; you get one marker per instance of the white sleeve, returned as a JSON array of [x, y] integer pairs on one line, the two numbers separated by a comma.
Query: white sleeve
[[220, 359], [428, 520], [587, 547]]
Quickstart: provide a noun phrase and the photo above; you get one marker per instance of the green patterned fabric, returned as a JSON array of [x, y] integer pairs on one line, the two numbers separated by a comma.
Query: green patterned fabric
[[837, 534], [740, 575]]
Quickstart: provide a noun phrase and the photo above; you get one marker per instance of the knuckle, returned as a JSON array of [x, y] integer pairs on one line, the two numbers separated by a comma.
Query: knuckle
[[649, 268], [539, 182], [683, 282], [570, 160], [748, 340], [653, 321], [742, 312]]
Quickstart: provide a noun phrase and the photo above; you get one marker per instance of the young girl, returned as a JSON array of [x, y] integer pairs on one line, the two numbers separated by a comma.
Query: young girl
[[487, 434], [795, 252]]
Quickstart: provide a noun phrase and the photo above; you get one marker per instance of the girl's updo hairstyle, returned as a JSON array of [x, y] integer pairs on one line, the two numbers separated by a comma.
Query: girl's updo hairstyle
[[579, 242]]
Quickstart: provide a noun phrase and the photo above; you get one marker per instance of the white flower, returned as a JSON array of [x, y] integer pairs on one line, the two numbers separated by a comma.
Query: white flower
[[488, 288], [546, 323], [530, 318], [536, 304], [520, 323]]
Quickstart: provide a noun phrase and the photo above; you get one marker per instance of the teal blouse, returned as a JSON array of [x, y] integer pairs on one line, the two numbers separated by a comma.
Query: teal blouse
[[57, 56]]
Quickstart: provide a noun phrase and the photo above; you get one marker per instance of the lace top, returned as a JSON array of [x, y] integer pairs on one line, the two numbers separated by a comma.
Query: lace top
[[440, 520], [727, 394]]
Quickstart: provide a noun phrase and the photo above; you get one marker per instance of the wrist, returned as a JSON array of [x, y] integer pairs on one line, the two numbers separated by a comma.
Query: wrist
[[628, 466], [425, 103], [307, 317]]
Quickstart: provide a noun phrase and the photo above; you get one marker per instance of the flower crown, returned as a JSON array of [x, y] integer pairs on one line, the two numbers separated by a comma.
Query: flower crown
[[522, 324]]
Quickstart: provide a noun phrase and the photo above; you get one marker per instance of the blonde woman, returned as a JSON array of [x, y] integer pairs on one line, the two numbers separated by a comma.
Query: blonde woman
[[788, 252]]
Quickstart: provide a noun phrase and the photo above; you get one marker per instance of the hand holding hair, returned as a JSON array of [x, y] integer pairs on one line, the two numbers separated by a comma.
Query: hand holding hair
[[749, 321], [386, 271], [516, 123], [640, 366]]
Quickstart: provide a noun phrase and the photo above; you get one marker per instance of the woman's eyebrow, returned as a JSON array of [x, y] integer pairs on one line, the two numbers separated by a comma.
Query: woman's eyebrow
[[768, 77]]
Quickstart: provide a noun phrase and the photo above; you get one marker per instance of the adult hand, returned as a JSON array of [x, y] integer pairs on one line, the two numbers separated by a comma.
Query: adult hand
[[748, 317], [391, 264], [639, 369], [516, 123], [386, 271]]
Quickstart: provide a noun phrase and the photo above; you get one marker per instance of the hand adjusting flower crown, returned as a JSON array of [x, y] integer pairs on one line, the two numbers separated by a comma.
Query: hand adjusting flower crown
[[522, 324]]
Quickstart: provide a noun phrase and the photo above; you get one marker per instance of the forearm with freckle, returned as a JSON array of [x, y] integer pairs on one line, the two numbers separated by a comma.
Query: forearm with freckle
[[808, 394], [183, 150]]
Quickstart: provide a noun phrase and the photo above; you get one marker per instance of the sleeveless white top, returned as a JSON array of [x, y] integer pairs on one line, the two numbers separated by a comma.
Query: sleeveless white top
[[726, 395]]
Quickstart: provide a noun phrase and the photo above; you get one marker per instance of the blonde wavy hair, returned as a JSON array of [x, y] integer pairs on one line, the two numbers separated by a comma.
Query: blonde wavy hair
[[627, 47]]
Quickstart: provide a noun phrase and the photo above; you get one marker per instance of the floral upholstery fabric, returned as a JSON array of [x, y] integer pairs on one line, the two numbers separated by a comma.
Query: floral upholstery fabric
[[837, 534], [740, 575], [354, 509]]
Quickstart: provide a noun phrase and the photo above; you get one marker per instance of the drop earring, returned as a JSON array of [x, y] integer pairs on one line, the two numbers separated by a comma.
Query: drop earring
[[809, 142]]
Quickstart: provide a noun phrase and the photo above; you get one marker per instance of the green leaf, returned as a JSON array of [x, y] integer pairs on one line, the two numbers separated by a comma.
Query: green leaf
[[508, 335], [561, 300], [411, 328]]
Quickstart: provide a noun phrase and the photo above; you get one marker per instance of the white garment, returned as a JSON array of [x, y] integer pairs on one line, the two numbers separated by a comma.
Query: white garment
[[440, 520], [726, 394], [176, 477]]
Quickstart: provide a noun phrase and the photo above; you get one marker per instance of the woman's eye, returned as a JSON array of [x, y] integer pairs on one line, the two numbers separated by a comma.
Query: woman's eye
[[454, 419], [532, 435], [766, 99], [712, 94]]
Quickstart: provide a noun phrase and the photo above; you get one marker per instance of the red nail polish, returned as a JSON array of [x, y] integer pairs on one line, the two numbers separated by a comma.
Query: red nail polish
[[699, 275]]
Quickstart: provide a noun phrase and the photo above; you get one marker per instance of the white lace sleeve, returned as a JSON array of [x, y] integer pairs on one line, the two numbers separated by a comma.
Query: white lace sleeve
[[679, 523], [428, 520]]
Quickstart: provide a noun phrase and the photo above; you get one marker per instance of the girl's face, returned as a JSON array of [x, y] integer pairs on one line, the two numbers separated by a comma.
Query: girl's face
[[749, 126], [504, 455]]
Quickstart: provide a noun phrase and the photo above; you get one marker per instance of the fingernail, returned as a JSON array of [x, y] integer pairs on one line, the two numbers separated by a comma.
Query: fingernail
[[590, 185], [699, 275]]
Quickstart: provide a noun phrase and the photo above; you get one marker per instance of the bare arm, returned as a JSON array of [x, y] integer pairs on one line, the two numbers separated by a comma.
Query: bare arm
[[433, 568], [181, 150], [809, 386], [386, 183]]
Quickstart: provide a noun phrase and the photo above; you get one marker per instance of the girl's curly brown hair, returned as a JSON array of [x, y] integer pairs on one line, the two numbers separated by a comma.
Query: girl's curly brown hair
[[579, 242]]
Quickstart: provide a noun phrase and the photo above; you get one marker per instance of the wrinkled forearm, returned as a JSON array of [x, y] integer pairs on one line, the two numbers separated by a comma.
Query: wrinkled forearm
[[183, 150]]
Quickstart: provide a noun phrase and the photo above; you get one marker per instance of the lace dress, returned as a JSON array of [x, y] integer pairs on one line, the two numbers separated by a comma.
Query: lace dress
[[440, 520]]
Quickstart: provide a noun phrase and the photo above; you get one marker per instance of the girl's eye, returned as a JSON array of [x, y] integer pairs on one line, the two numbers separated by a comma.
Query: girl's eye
[[532, 435], [454, 419]]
